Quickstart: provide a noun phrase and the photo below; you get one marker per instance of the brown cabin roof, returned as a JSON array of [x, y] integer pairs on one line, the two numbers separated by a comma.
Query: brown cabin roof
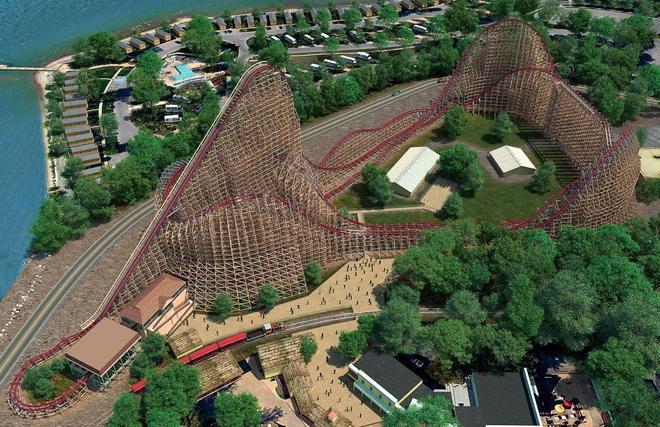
[[153, 298], [102, 346]]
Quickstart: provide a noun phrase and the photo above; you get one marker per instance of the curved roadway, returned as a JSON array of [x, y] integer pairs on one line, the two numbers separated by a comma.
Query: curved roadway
[[44, 310]]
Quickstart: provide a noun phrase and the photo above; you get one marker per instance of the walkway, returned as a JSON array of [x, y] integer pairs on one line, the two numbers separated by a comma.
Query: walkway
[[355, 285]]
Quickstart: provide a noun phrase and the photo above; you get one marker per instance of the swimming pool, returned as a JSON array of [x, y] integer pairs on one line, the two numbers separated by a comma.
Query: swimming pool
[[184, 72]]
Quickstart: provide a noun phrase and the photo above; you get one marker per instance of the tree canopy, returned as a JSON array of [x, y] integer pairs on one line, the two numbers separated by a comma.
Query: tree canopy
[[237, 410]]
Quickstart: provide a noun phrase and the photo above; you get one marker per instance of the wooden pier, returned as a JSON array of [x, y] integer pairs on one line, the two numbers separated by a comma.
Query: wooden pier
[[4, 67]]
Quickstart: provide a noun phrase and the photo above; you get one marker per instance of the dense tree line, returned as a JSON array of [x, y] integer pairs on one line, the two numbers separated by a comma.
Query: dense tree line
[[591, 292]]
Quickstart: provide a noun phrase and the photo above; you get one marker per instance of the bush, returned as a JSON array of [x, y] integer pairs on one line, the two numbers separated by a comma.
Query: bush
[[43, 388], [648, 191], [455, 160], [472, 179], [35, 373], [455, 120], [351, 344], [502, 126], [154, 347]]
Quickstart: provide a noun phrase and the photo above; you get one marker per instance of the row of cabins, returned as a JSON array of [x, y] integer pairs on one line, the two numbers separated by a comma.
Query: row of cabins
[[78, 134], [158, 36]]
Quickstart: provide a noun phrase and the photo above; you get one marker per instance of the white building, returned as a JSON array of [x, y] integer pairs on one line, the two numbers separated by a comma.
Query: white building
[[411, 169], [510, 160]]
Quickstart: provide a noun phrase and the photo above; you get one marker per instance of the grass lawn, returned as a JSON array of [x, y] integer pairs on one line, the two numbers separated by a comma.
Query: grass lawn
[[402, 217], [477, 132], [104, 72], [499, 201], [353, 198]]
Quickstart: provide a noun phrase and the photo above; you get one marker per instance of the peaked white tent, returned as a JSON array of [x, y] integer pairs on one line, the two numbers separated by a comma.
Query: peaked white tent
[[411, 169], [510, 159]]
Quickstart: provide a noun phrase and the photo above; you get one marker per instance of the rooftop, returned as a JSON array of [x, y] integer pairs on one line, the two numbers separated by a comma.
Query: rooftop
[[502, 400], [102, 346], [388, 372], [152, 298], [412, 167], [510, 158]]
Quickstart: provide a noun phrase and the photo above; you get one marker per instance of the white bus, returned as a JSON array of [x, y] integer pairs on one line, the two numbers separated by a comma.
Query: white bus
[[364, 56], [325, 36], [172, 108], [289, 39], [309, 39], [330, 64], [172, 118], [349, 59], [419, 29], [275, 38], [315, 67]]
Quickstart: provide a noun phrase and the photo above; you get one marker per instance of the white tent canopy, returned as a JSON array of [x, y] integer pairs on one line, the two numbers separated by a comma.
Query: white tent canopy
[[411, 169], [512, 159]]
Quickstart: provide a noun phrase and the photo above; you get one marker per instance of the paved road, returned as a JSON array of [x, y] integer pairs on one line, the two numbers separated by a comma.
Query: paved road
[[41, 314]]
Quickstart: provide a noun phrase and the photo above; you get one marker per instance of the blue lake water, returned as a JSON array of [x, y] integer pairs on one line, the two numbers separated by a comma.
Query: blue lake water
[[35, 31]]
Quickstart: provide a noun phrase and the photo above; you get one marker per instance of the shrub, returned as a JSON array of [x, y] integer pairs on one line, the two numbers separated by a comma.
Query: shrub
[[223, 306], [268, 296], [308, 348], [455, 120], [542, 180], [648, 191], [313, 273], [453, 207]]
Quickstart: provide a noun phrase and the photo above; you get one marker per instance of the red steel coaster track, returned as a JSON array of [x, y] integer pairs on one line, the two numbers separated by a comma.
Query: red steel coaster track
[[250, 208]]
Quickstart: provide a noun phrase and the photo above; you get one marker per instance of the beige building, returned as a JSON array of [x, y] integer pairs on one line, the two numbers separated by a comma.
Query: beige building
[[160, 308]]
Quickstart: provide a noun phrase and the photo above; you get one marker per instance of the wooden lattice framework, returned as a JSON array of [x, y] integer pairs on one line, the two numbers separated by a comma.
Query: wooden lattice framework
[[249, 208]]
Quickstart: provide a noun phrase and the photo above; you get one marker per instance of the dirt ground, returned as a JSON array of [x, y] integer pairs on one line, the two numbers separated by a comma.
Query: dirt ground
[[355, 285], [81, 302], [438, 193], [332, 386]]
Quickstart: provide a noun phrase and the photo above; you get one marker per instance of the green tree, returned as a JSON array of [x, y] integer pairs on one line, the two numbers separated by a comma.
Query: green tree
[[501, 8], [437, 25], [347, 91], [73, 170], [502, 126], [153, 345], [223, 305], [388, 16], [453, 207], [323, 18], [381, 40], [633, 104], [405, 293], [525, 7], [542, 180], [57, 147], [464, 306], [569, 304], [605, 96], [633, 402], [451, 341], [454, 121], [331, 45], [260, 39], [150, 62], [49, 234], [603, 27], [275, 54], [614, 360], [406, 36], [146, 88], [498, 349], [74, 217], [352, 17], [522, 315], [364, 76], [635, 30], [268, 296], [650, 74], [140, 366], [103, 47], [126, 411], [308, 348], [126, 182], [434, 411], [173, 390], [312, 272], [148, 150], [648, 191], [43, 388], [109, 124], [455, 160], [549, 10], [34, 374], [351, 344], [397, 326], [578, 21], [459, 17], [237, 410], [379, 191], [471, 179], [202, 39], [90, 85]]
